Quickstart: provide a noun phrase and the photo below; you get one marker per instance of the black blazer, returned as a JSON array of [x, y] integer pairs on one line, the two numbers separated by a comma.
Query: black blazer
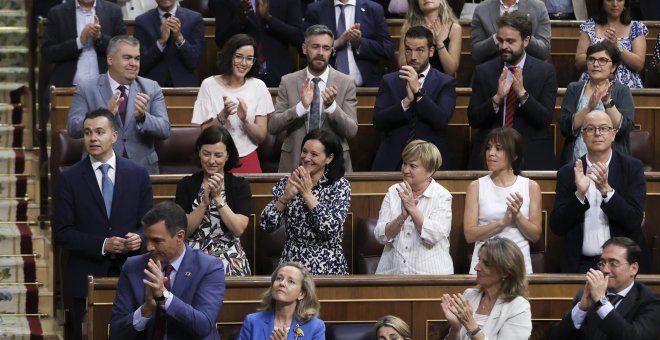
[[237, 190], [636, 317], [532, 120], [59, 45]]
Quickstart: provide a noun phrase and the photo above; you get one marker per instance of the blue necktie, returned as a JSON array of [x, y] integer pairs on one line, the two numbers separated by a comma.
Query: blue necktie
[[342, 55], [315, 110], [107, 187]]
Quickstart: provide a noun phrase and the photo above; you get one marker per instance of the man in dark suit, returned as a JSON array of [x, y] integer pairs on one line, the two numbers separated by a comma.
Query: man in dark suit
[[182, 302], [599, 196], [612, 305], [514, 90], [171, 42], [96, 217], [415, 102], [76, 38], [138, 104], [274, 24], [362, 43]]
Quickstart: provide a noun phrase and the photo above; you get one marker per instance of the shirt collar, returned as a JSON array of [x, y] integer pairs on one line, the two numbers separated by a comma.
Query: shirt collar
[[426, 71], [173, 11], [112, 162], [506, 8], [624, 291], [606, 163], [177, 263], [521, 63], [114, 85], [349, 2], [80, 8], [323, 76]]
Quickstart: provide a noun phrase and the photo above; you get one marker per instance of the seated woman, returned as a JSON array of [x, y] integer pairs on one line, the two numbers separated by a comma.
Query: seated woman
[[437, 16], [612, 25], [237, 100], [597, 93], [655, 61], [503, 203], [390, 327], [216, 202], [289, 308], [496, 308], [313, 201], [415, 218]]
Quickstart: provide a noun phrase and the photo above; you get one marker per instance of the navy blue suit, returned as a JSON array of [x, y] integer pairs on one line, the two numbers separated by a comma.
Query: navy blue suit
[[531, 120], [432, 112], [624, 210], [275, 36], [375, 43], [174, 66], [260, 325], [198, 292]]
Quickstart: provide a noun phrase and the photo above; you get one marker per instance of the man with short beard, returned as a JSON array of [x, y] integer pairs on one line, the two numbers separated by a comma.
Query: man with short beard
[[514, 90], [315, 97]]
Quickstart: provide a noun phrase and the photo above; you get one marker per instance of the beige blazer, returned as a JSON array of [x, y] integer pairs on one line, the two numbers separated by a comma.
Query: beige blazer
[[342, 121]]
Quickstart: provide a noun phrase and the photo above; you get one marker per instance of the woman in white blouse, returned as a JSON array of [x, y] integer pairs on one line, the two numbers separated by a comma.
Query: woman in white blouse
[[415, 218], [237, 100]]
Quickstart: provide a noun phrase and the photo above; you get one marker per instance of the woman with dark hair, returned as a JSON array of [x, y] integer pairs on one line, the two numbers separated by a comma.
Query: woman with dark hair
[[289, 309], [216, 202], [391, 327], [496, 308], [597, 93], [503, 203], [237, 100], [313, 201], [612, 25]]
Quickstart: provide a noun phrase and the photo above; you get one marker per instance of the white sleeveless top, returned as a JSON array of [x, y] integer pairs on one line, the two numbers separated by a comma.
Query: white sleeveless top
[[492, 206]]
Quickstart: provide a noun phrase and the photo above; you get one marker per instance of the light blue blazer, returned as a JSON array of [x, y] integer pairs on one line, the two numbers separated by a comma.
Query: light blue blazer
[[260, 325]]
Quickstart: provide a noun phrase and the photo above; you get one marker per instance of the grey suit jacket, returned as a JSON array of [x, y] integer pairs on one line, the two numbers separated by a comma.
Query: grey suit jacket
[[507, 320], [136, 138], [483, 47], [342, 121]]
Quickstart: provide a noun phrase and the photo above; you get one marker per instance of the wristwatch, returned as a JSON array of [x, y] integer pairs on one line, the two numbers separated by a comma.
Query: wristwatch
[[420, 93], [609, 104], [165, 296], [472, 333], [602, 301]]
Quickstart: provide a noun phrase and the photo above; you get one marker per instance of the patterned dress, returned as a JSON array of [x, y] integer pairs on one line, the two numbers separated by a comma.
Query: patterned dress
[[313, 237], [655, 59], [623, 74]]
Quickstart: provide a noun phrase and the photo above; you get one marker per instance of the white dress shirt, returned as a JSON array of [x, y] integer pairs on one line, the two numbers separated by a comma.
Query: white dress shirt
[[596, 223], [578, 315], [88, 65]]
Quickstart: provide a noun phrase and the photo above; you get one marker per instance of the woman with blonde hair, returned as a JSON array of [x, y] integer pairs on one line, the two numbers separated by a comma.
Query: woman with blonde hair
[[496, 308], [289, 308], [437, 16], [391, 327]]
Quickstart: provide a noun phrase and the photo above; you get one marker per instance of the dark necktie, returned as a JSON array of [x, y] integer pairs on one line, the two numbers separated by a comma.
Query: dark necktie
[[315, 109], [342, 55], [413, 120], [614, 299], [107, 189], [161, 317], [167, 15], [122, 105], [510, 111]]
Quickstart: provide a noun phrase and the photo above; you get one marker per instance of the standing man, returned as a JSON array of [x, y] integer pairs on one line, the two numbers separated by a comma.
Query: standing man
[[173, 291], [171, 42], [99, 202], [76, 38], [612, 305], [363, 41], [274, 24], [514, 90], [598, 196], [484, 44], [137, 103], [415, 102], [315, 97]]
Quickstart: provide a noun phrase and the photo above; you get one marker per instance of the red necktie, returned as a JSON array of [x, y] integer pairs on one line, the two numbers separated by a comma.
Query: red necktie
[[161, 317], [122, 105], [510, 108]]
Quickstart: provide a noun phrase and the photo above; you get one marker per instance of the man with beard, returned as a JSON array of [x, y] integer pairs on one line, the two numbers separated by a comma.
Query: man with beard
[[415, 102], [137, 103], [315, 97], [515, 90]]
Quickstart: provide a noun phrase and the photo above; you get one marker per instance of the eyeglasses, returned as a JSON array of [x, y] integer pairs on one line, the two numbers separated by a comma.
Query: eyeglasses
[[591, 130], [600, 61], [239, 59], [610, 263]]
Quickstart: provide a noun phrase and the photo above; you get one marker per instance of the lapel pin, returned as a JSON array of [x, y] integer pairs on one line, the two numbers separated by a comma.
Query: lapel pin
[[362, 9], [187, 274]]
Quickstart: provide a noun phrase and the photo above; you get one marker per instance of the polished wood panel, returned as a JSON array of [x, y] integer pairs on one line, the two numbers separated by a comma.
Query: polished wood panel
[[365, 298]]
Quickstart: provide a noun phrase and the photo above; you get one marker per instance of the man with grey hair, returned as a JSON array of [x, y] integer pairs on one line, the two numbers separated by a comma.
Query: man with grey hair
[[137, 103], [315, 97]]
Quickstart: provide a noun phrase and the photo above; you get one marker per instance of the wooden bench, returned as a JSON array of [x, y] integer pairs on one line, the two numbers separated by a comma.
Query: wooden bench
[[365, 298], [180, 103]]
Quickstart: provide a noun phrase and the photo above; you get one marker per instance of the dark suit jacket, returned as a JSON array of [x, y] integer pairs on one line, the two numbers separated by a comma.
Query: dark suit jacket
[[432, 112], [624, 210], [275, 36], [179, 65], [198, 291], [532, 120], [375, 44], [81, 224], [636, 317], [59, 45]]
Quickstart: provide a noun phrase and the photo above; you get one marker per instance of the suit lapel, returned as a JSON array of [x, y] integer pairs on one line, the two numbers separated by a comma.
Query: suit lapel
[[90, 179], [629, 301], [614, 173], [184, 274], [329, 7], [495, 13], [269, 325]]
